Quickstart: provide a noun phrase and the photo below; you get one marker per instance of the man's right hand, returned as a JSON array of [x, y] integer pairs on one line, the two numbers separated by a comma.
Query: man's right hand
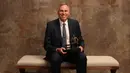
[[60, 50]]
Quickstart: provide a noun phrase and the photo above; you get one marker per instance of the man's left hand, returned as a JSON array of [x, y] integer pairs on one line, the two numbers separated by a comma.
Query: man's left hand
[[81, 49]]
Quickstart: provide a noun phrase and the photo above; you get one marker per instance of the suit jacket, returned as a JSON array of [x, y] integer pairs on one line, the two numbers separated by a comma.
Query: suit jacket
[[53, 38]]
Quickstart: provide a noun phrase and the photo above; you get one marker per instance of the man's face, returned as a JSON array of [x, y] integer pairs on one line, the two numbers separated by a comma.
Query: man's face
[[63, 12]]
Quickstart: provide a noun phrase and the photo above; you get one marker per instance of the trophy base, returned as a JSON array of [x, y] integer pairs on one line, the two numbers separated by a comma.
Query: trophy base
[[72, 49], [66, 50]]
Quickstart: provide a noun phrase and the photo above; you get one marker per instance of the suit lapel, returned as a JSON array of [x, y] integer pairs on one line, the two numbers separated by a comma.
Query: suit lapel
[[70, 28], [58, 29]]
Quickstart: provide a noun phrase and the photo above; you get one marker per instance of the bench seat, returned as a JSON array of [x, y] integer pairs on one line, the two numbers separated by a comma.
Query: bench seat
[[93, 62]]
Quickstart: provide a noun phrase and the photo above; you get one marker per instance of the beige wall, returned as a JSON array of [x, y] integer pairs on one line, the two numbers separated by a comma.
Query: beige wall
[[105, 27]]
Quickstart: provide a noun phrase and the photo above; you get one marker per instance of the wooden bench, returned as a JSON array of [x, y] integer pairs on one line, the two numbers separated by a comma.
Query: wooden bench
[[93, 62]]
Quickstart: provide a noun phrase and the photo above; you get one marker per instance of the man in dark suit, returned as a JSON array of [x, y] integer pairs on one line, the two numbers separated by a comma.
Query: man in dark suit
[[63, 42]]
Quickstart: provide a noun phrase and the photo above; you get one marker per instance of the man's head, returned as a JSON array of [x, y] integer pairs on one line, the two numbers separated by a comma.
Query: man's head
[[63, 12]]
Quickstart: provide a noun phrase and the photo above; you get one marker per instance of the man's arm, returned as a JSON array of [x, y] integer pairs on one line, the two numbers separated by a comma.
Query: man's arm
[[47, 40], [81, 41]]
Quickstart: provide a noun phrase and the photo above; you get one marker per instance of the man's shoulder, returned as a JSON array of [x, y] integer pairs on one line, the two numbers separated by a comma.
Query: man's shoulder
[[72, 20], [52, 23]]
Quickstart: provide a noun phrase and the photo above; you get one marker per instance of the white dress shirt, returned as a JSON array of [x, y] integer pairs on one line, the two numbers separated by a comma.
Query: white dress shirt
[[67, 31]]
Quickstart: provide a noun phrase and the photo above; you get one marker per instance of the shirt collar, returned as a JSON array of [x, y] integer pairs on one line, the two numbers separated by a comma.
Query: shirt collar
[[61, 22]]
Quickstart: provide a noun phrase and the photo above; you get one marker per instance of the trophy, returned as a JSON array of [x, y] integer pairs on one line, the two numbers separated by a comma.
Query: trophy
[[74, 45], [74, 41]]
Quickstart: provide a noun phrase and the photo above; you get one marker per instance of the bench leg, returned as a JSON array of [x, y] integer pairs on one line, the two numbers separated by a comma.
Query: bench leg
[[113, 70], [22, 70]]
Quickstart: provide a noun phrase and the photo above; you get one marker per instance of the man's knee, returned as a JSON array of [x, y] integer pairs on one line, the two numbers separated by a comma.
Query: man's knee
[[82, 56], [56, 58]]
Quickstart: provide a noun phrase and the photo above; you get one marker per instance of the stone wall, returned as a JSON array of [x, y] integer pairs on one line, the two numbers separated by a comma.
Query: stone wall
[[104, 24]]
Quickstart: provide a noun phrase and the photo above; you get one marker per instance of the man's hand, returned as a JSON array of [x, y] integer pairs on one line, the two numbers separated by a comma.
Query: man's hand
[[81, 49], [61, 50]]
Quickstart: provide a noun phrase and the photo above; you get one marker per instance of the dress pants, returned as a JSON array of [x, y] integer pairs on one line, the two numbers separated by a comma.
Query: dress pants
[[77, 58]]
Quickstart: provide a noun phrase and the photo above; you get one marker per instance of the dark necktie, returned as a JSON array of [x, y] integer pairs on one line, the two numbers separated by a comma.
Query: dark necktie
[[64, 36]]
